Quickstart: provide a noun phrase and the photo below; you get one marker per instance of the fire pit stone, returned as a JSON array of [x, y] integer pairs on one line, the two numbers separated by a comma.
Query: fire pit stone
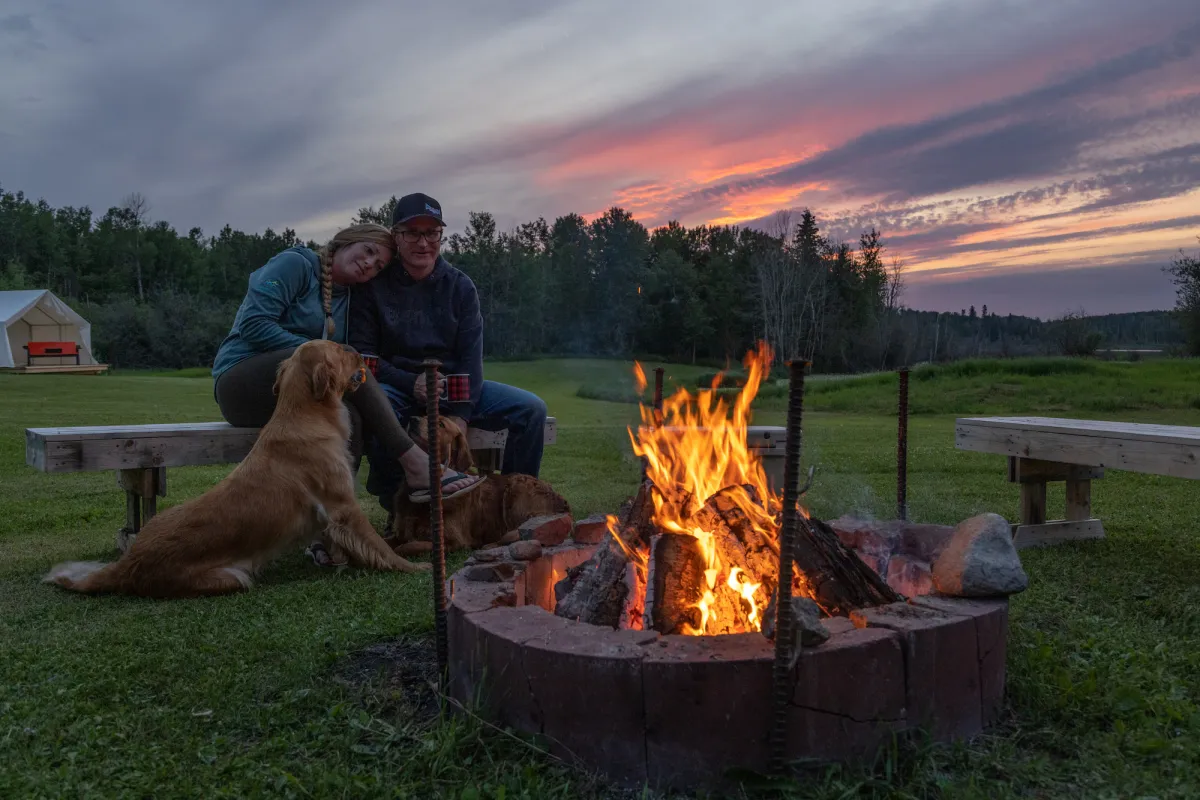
[[591, 530], [550, 530]]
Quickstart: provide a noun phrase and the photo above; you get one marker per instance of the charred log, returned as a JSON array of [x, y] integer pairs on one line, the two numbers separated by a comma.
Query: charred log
[[835, 576], [637, 525], [599, 592]]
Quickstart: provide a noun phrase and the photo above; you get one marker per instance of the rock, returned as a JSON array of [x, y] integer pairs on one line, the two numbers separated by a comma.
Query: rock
[[525, 551], [980, 560], [909, 576], [591, 530], [806, 622], [490, 573], [509, 538], [549, 530], [488, 555]]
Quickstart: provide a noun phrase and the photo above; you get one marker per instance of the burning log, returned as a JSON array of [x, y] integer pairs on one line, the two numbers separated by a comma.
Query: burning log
[[610, 588], [827, 571], [834, 574], [675, 581], [637, 524]]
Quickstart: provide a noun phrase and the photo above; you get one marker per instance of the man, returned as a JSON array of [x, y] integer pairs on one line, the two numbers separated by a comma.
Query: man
[[423, 307]]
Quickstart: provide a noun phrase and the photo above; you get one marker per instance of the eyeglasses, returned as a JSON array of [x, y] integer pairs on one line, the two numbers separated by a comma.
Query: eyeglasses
[[433, 236]]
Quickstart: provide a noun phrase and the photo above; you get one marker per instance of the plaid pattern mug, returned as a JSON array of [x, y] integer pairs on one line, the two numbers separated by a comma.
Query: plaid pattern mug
[[458, 387], [371, 362]]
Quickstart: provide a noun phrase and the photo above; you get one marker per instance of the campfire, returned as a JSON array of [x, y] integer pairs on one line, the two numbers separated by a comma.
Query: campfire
[[696, 551]]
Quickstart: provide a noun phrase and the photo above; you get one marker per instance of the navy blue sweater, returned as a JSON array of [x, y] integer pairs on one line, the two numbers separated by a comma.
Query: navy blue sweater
[[405, 321]]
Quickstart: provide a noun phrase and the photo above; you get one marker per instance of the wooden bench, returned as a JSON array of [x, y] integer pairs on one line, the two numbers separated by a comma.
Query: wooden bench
[[141, 455], [1041, 450], [50, 350]]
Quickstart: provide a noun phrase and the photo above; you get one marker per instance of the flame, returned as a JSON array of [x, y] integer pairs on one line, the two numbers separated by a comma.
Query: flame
[[695, 447]]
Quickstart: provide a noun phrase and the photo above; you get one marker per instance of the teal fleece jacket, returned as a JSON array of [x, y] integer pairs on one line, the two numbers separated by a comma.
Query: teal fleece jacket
[[282, 309]]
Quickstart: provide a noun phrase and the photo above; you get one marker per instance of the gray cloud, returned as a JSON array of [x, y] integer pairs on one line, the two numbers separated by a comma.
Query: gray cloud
[[17, 23], [296, 113]]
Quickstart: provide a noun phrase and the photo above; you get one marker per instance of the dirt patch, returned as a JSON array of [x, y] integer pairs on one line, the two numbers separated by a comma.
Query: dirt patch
[[400, 673]]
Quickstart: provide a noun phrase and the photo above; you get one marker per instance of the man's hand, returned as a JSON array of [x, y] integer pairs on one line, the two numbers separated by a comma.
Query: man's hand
[[422, 396]]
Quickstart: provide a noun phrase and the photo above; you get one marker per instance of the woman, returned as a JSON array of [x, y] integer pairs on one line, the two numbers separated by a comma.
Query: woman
[[300, 295]]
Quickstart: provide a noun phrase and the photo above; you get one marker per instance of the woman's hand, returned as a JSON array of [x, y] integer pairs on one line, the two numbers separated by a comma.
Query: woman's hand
[[422, 396]]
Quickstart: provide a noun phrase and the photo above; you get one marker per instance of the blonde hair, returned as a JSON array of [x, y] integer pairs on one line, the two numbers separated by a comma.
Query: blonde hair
[[366, 232]]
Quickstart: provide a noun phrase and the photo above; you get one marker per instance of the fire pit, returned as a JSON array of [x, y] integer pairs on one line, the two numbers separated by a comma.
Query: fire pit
[[641, 647]]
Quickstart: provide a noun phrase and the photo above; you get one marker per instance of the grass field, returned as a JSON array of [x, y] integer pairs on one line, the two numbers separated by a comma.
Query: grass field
[[248, 696]]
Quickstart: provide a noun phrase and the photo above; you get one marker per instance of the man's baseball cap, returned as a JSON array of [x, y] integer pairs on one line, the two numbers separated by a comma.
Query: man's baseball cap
[[416, 205]]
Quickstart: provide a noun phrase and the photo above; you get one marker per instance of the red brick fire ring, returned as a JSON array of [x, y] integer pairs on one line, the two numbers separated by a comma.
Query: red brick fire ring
[[676, 712]]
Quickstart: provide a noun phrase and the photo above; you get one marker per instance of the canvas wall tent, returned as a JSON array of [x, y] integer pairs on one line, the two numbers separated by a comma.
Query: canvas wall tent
[[36, 315]]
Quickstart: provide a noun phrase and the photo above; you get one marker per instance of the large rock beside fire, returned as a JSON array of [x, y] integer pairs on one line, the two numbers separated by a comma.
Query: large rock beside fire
[[980, 560]]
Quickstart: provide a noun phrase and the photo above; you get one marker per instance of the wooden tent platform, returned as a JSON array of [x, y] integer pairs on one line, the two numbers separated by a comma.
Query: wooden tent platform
[[47, 369]]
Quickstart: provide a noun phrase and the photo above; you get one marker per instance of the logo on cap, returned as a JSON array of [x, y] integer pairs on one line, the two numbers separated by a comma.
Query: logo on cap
[[435, 211]]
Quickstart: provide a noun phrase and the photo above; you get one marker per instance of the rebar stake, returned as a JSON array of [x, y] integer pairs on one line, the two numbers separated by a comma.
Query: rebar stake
[[435, 520], [781, 683], [902, 448], [658, 395]]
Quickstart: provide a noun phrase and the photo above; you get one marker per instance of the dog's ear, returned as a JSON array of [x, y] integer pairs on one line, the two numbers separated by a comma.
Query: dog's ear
[[321, 378], [460, 454], [280, 369]]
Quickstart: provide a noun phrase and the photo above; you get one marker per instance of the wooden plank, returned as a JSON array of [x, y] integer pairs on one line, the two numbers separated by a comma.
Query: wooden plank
[[1031, 470], [1033, 503], [1107, 429], [1079, 500], [92, 448], [486, 440], [1057, 532], [1154, 456], [161, 430], [47, 369]]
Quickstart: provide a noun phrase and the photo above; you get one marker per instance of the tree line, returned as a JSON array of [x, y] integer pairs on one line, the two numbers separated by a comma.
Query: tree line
[[606, 287]]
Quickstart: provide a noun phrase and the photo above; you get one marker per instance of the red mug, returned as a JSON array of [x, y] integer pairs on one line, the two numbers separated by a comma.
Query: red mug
[[458, 387], [371, 362]]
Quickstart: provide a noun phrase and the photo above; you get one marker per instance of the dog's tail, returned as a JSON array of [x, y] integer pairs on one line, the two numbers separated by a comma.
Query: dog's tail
[[87, 577]]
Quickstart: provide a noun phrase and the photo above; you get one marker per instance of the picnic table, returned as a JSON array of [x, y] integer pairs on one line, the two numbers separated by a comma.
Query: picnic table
[[1043, 450]]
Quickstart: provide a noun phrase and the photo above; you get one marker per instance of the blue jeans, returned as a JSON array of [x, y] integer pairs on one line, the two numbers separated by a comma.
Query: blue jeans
[[500, 407]]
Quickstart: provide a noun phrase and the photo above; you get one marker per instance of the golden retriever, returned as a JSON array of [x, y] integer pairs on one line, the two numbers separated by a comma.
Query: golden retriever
[[499, 505], [453, 448], [293, 486]]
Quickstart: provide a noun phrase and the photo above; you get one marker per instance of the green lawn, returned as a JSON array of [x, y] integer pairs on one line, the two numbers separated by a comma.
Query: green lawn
[[247, 696]]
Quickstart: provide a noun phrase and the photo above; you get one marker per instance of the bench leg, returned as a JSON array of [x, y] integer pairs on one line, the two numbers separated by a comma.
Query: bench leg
[[142, 488], [1079, 500], [1033, 503], [1034, 530]]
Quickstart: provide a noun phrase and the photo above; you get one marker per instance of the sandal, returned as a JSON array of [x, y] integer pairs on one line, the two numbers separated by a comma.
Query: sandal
[[320, 556], [449, 476]]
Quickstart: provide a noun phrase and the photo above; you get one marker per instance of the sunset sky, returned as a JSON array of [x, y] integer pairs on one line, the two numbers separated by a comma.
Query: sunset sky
[[1036, 157]]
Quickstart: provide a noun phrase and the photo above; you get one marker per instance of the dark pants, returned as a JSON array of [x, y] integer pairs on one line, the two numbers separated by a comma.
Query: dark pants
[[500, 407], [245, 394]]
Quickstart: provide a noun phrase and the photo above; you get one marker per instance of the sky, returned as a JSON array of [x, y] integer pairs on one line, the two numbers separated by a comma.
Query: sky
[[1037, 157]]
